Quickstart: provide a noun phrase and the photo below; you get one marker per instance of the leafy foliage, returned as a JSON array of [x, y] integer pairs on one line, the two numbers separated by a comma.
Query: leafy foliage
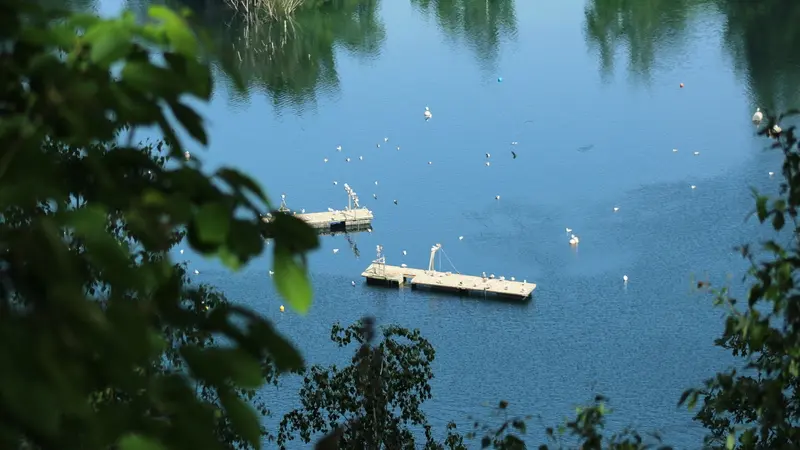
[[374, 401], [759, 406], [112, 346]]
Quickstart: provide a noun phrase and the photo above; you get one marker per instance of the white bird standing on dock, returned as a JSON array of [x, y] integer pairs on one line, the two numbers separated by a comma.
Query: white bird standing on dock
[[758, 116], [302, 211], [404, 265], [428, 114], [330, 209]]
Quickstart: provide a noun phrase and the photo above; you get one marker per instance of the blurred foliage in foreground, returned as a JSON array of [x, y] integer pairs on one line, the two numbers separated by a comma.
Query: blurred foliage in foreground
[[109, 345]]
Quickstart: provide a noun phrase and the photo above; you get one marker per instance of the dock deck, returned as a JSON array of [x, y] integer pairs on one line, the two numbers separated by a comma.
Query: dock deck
[[353, 218], [381, 273]]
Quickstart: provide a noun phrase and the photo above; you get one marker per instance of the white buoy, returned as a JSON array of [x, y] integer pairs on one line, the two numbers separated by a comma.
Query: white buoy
[[282, 308], [758, 116], [187, 155]]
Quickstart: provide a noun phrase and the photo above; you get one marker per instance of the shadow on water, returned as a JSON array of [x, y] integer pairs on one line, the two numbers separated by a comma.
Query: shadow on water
[[292, 62], [454, 296], [481, 24], [758, 36]]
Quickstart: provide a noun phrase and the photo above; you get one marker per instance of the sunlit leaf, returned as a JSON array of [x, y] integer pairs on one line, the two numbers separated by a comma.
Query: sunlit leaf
[[243, 418], [213, 223], [291, 280], [139, 442]]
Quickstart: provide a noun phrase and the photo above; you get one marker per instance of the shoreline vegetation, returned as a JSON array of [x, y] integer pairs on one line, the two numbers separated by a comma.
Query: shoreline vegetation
[[267, 9]]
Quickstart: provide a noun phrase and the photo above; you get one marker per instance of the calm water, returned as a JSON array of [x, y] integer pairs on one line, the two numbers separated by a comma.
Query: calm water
[[574, 76]]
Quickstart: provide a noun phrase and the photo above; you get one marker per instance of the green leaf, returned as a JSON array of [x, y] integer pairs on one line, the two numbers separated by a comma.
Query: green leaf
[[213, 222], [177, 30], [109, 42], [293, 233], [216, 365], [243, 419], [190, 120], [238, 180], [148, 79], [139, 442], [730, 442], [291, 280]]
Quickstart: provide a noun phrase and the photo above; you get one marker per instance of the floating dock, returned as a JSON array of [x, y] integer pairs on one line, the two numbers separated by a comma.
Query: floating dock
[[380, 273], [354, 218]]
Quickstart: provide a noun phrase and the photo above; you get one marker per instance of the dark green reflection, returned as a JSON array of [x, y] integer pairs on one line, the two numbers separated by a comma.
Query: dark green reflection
[[292, 61], [764, 40], [482, 24], [641, 28]]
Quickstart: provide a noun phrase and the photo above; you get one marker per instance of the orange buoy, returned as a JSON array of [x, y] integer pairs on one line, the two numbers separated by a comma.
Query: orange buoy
[[681, 85]]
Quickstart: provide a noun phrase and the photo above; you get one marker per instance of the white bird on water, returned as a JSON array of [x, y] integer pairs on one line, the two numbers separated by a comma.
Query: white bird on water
[[497, 197], [461, 238], [335, 183], [696, 153], [758, 116], [347, 160], [428, 114], [488, 155], [361, 158], [569, 230], [353, 283], [325, 160], [574, 240], [335, 251], [376, 183], [624, 278], [271, 273], [196, 272], [770, 174], [339, 148], [405, 253], [488, 164], [330, 209], [616, 208]]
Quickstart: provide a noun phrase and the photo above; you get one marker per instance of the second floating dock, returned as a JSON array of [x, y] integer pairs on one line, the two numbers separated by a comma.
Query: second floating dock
[[380, 273]]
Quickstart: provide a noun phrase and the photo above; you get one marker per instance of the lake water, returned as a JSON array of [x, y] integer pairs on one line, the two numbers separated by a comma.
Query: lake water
[[590, 93]]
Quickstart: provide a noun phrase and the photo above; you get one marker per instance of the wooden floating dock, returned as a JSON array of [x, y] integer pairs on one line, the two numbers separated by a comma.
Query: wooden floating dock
[[380, 273], [353, 218]]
